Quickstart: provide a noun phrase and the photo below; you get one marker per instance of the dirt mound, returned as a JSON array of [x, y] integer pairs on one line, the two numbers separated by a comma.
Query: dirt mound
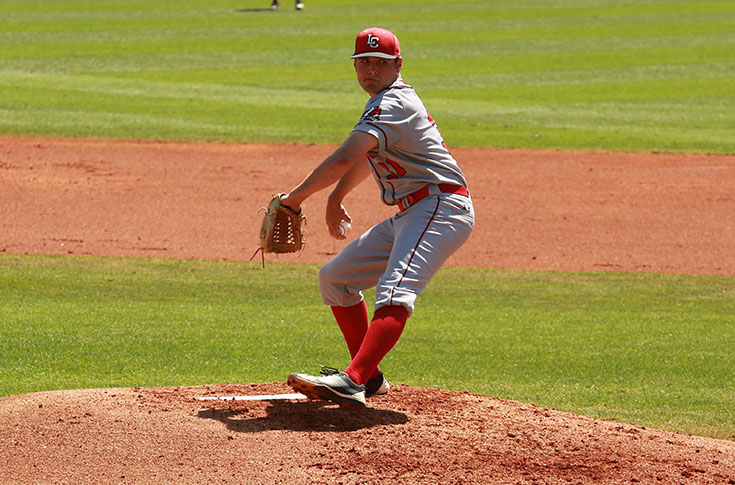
[[535, 210], [412, 435]]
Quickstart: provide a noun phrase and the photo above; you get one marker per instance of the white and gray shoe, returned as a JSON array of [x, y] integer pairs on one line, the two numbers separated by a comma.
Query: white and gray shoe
[[339, 388], [377, 386]]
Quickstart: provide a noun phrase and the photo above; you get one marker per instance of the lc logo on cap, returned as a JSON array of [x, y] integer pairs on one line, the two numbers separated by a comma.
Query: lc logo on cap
[[373, 41], [377, 42]]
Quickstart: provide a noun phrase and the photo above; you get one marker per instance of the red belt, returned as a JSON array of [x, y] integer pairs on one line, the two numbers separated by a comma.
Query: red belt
[[424, 192]]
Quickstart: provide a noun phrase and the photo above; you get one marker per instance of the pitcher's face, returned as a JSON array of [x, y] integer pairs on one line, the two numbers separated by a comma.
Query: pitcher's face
[[374, 74]]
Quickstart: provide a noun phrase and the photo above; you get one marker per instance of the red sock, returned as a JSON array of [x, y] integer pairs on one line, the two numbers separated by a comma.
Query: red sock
[[382, 335], [353, 321]]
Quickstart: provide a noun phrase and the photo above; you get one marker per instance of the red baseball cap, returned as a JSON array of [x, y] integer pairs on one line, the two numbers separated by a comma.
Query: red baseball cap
[[377, 42]]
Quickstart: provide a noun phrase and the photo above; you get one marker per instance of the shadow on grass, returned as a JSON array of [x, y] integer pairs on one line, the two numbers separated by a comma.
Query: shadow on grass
[[248, 10]]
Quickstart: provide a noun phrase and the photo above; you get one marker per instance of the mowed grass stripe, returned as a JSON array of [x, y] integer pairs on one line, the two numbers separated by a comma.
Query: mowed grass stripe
[[147, 113], [445, 33], [684, 35], [15, 9]]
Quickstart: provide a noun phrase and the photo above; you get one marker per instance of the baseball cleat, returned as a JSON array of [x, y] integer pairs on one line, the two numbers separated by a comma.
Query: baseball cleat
[[374, 387], [377, 386], [337, 388], [274, 6], [299, 5]]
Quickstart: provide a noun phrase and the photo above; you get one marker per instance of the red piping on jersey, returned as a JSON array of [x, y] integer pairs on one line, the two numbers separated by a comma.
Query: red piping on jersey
[[413, 253], [385, 137]]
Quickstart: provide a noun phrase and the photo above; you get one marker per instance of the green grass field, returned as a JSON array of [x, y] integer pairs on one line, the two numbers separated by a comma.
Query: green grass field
[[650, 349], [591, 74], [603, 75]]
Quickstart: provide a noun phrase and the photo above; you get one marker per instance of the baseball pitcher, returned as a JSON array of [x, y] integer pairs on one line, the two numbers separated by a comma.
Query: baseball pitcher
[[398, 143]]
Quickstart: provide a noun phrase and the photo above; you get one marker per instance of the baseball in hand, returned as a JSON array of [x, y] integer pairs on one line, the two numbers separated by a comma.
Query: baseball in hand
[[344, 228]]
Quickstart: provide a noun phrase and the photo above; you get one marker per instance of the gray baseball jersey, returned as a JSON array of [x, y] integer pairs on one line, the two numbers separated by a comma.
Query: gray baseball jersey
[[401, 254], [411, 151]]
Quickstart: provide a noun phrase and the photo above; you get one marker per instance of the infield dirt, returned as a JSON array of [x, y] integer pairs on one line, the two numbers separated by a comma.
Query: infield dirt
[[539, 210]]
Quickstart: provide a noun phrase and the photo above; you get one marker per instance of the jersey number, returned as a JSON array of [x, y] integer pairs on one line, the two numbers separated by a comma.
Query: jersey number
[[394, 170]]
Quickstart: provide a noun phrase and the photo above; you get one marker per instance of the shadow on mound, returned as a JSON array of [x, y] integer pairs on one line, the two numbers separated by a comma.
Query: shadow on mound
[[303, 416]]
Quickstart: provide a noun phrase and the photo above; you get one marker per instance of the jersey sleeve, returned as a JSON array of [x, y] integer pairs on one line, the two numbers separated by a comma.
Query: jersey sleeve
[[386, 119]]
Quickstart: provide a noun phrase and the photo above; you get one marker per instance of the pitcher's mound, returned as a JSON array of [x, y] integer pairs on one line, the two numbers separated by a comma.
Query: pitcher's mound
[[412, 435]]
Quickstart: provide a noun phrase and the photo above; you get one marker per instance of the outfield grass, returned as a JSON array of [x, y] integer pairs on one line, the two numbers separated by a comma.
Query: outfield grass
[[591, 74], [650, 349]]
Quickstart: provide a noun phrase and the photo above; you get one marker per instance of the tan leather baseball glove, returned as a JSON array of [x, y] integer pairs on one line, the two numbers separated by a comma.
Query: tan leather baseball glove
[[281, 230]]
